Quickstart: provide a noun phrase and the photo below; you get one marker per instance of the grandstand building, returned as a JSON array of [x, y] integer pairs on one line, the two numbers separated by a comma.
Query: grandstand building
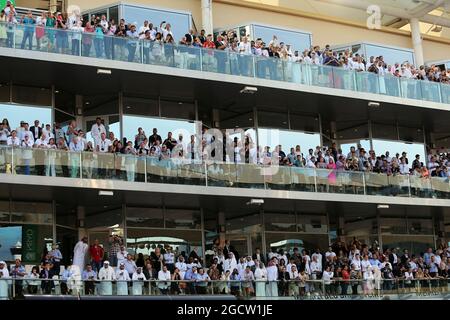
[[198, 205]]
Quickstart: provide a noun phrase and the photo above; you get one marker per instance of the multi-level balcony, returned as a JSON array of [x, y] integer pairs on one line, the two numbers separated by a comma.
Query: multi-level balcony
[[224, 62], [87, 168]]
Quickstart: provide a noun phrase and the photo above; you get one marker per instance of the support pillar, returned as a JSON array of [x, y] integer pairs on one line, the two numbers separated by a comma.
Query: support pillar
[[81, 213], [53, 6], [207, 16], [79, 112], [416, 41], [221, 228]]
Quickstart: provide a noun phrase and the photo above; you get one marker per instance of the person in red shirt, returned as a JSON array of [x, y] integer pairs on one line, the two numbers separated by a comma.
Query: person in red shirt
[[209, 43], [97, 253]]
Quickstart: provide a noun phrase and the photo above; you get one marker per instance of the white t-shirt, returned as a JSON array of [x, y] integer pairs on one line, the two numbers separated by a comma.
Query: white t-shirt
[[103, 145], [245, 48]]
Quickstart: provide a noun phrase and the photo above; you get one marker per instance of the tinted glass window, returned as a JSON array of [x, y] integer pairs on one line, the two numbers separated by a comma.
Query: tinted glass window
[[390, 55], [298, 40]]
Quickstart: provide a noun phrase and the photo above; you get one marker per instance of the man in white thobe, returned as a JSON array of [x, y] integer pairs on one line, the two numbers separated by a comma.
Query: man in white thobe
[[79, 252], [272, 277], [122, 278], [4, 274], [138, 282], [106, 275]]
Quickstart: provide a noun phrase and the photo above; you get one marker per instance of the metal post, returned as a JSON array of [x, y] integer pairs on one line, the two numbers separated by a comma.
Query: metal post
[[364, 182], [145, 169], [315, 180], [206, 173], [409, 186], [81, 166], [12, 160], [201, 58]]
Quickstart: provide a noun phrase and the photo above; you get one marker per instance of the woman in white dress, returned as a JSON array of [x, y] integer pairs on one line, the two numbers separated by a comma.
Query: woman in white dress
[[261, 280], [106, 276]]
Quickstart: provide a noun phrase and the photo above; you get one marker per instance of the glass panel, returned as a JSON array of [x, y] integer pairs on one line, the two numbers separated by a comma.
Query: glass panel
[[140, 106], [4, 211], [390, 55], [377, 184], [182, 219], [295, 39], [31, 212], [103, 217], [222, 174], [177, 110], [241, 64], [389, 85], [288, 241], [360, 226], [26, 242], [270, 68], [292, 72], [445, 91], [145, 217], [66, 215], [216, 61], [272, 120], [304, 123], [32, 95], [303, 179], [393, 225], [420, 187], [5, 90], [187, 58], [318, 75], [399, 185], [278, 178], [414, 244], [280, 221], [146, 240], [312, 223], [250, 176], [344, 79], [17, 113], [411, 88], [367, 82], [420, 226], [95, 165], [441, 187], [179, 22], [431, 91], [114, 14], [66, 239]]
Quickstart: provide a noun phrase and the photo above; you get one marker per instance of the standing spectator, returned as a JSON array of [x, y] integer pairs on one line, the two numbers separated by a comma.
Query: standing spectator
[[97, 252], [28, 31], [114, 248], [79, 252], [122, 277]]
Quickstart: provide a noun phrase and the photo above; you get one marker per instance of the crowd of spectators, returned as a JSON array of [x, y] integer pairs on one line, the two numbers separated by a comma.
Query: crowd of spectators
[[105, 35], [235, 150], [343, 269]]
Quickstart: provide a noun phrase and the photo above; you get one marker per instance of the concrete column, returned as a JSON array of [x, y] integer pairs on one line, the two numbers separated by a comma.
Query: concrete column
[[417, 40], [221, 228], [207, 17], [53, 5], [81, 223], [79, 112], [216, 118]]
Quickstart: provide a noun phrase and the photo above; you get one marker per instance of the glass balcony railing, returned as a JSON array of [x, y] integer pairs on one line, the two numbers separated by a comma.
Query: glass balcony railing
[[337, 288], [147, 169], [226, 62]]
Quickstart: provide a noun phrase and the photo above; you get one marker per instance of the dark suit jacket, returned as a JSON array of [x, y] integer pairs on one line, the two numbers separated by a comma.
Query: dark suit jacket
[[261, 256], [32, 129]]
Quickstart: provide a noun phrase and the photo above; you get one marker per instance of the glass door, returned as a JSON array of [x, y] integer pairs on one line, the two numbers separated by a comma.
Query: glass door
[[111, 123]]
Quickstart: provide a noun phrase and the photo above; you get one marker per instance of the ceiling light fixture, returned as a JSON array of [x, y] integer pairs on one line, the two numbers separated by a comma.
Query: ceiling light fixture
[[103, 71], [105, 193]]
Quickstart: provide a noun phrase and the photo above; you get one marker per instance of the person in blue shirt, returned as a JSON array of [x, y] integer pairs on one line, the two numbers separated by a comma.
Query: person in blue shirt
[[235, 282], [89, 277], [56, 257], [67, 273], [18, 272], [191, 276], [202, 279], [28, 31]]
